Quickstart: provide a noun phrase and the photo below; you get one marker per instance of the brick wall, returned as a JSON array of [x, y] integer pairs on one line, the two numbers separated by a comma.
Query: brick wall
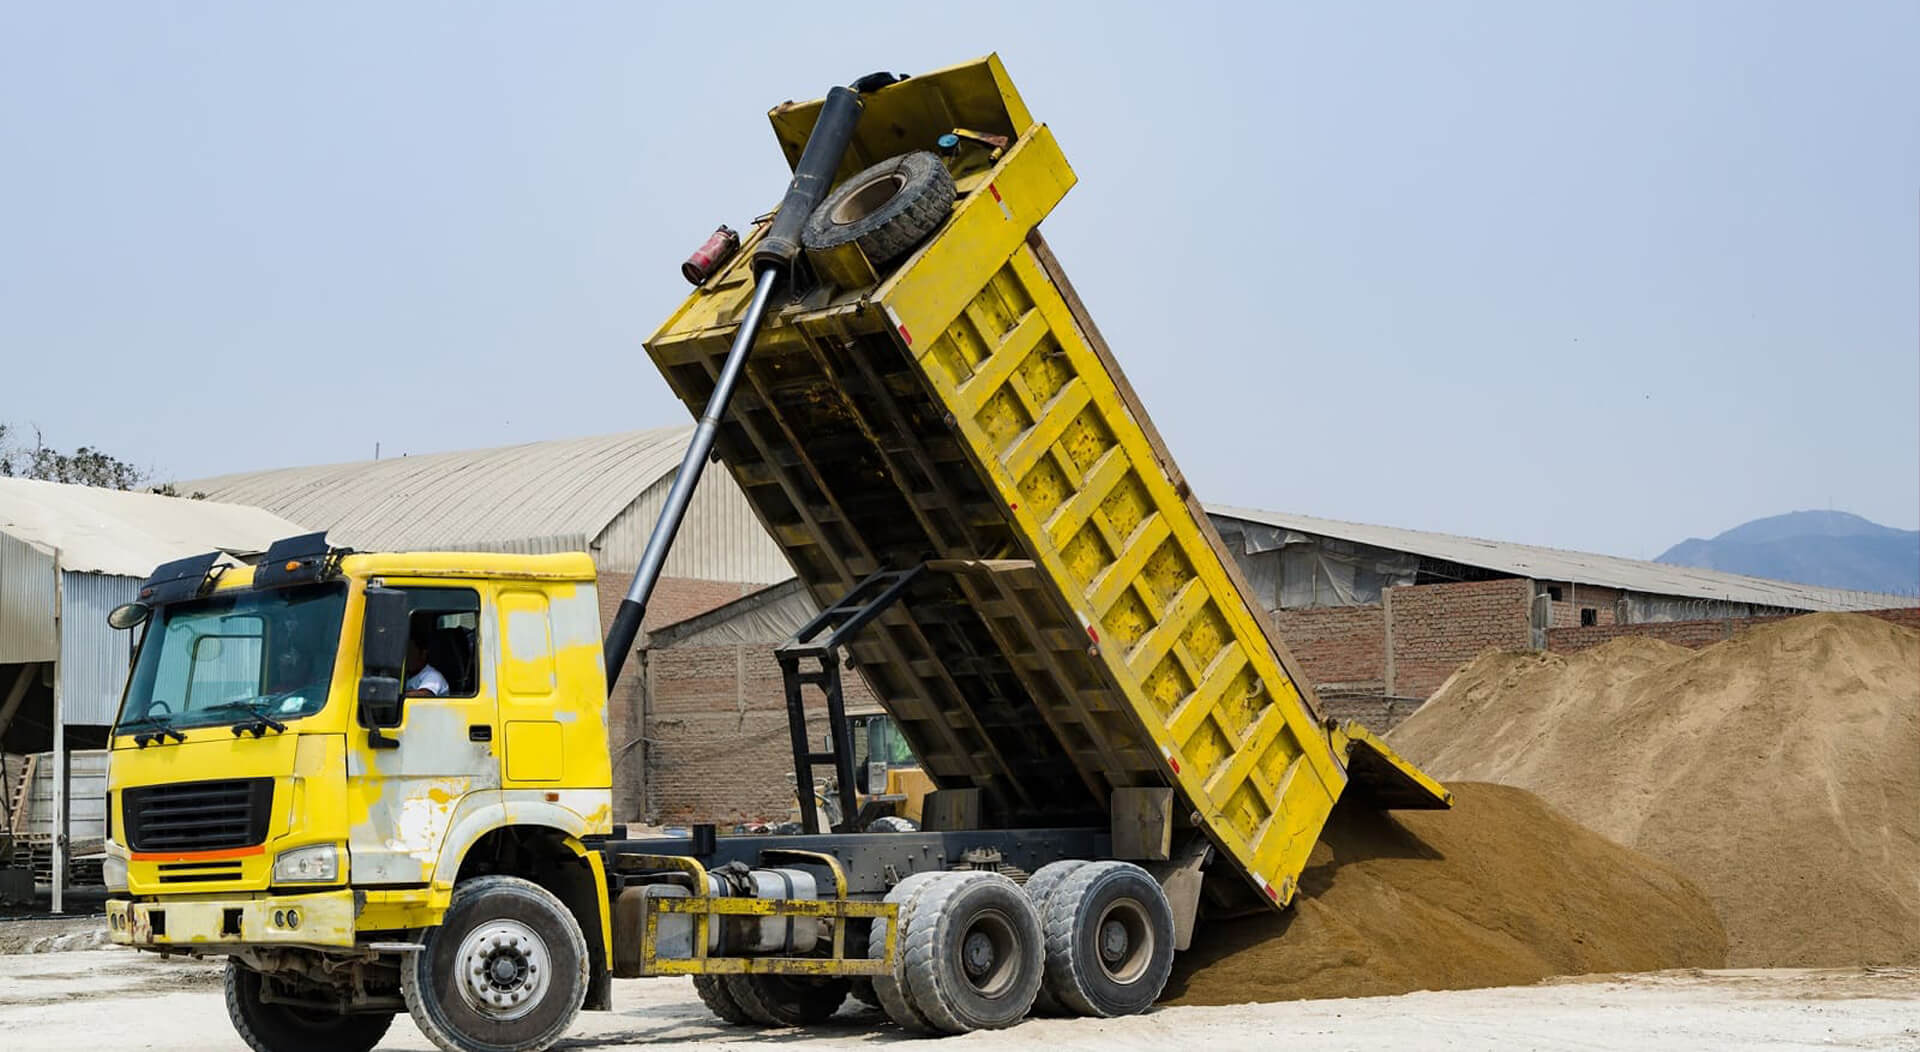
[[1436, 628], [1337, 644], [717, 745], [1575, 598], [674, 599], [1692, 634], [1376, 712]]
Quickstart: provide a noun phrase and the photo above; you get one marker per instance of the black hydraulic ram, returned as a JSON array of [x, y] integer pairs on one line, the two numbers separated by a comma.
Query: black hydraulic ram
[[772, 261]]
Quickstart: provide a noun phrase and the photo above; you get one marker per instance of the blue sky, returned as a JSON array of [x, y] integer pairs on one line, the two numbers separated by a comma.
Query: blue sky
[[1599, 277]]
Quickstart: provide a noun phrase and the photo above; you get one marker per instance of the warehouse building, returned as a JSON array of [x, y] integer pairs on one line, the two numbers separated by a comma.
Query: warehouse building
[[598, 495], [69, 555], [1378, 617]]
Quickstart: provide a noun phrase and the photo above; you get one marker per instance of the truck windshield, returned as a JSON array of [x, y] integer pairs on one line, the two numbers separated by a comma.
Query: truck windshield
[[885, 745], [235, 657]]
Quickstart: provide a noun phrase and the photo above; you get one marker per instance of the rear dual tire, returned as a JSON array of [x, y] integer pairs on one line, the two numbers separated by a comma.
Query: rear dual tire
[[1040, 888], [786, 1000], [1109, 939], [968, 955], [713, 992], [890, 988]]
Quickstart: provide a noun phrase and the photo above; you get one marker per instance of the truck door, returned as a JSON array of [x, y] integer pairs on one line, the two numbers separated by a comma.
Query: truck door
[[404, 797], [530, 690]]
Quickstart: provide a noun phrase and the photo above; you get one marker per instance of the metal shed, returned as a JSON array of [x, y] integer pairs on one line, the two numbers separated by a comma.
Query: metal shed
[[599, 495], [69, 555]]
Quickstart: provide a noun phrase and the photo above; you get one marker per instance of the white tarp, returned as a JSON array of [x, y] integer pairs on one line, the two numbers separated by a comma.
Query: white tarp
[[1289, 569], [116, 532]]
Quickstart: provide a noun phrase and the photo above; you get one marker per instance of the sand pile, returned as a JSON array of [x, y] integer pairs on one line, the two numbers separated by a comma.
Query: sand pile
[[1779, 771], [1500, 890]]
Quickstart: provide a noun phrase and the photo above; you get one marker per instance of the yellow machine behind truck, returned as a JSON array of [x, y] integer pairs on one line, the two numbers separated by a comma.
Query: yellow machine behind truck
[[379, 782]]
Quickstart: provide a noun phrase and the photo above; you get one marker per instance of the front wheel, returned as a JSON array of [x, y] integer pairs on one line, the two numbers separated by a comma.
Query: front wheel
[[506, 970], [276, 1027]]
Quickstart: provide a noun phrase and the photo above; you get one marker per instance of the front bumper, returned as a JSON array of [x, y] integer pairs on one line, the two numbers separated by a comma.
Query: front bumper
[[323, 918]]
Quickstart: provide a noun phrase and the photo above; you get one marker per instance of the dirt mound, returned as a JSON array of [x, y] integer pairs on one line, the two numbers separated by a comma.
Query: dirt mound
[[1500, 890], [1779, 771]]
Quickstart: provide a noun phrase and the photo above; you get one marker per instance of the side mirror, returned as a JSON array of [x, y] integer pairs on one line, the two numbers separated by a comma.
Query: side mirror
[[128, 615], [383, 659]]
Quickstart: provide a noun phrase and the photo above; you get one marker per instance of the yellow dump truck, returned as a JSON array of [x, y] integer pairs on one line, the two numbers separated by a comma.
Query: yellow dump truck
[[379, 782]]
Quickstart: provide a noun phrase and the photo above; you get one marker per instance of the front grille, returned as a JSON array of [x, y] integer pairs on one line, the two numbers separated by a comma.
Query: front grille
[[198, 816], [198, 872]]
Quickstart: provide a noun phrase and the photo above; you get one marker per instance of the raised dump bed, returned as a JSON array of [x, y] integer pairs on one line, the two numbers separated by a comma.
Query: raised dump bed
[[1081, 629]]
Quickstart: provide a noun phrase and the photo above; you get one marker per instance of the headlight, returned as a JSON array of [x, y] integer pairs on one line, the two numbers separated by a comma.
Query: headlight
[[319, 864], [113, 871]]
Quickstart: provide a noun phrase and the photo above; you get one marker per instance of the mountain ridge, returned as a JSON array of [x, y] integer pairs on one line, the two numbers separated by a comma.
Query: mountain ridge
[[1829, 549]]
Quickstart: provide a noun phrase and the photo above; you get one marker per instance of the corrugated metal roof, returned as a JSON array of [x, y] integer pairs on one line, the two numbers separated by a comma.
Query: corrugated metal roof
[[116, 532], [27, 603], [540, 496], [1555, 564], [94, 657], [769, 616]]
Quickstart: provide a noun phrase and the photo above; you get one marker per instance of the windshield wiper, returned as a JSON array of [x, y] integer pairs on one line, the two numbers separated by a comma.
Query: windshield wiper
[[261, 720], [163, 729]]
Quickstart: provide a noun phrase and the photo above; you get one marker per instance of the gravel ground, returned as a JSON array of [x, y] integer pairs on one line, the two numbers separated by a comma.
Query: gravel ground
[[58, 1000]]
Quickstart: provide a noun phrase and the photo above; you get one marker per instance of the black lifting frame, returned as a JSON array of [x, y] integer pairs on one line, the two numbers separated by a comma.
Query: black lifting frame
[[868, 600]]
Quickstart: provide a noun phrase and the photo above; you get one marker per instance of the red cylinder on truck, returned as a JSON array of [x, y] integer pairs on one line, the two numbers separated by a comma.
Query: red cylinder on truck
[[711, 256]]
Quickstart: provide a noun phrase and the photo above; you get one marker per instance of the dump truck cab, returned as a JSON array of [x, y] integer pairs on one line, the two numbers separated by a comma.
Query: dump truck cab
[[314, 752]]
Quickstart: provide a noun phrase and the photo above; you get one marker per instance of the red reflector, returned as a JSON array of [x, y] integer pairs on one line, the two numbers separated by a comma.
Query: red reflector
[[1173, 763], [905, 335], [1272, 894], [994, 190]]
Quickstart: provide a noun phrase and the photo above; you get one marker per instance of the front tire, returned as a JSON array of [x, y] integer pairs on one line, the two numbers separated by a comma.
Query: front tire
[[288, 1028], [506, 970]]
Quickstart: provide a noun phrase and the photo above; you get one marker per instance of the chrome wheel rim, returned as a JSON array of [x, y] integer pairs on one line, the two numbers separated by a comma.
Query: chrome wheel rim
[[504, 969]]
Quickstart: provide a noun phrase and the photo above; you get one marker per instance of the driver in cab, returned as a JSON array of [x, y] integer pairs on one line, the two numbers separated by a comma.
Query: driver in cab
[[423, 680]]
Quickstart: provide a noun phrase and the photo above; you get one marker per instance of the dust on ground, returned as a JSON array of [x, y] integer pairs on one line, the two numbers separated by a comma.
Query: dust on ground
[[52, 934], [1779, 770], [130, 1000], [1499, 890]]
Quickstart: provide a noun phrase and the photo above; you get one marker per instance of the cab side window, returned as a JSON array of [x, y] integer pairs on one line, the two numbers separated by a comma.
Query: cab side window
[[443, 642]]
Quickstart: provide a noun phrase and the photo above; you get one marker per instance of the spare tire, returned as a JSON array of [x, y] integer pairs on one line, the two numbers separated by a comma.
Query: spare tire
[[887, 209]]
